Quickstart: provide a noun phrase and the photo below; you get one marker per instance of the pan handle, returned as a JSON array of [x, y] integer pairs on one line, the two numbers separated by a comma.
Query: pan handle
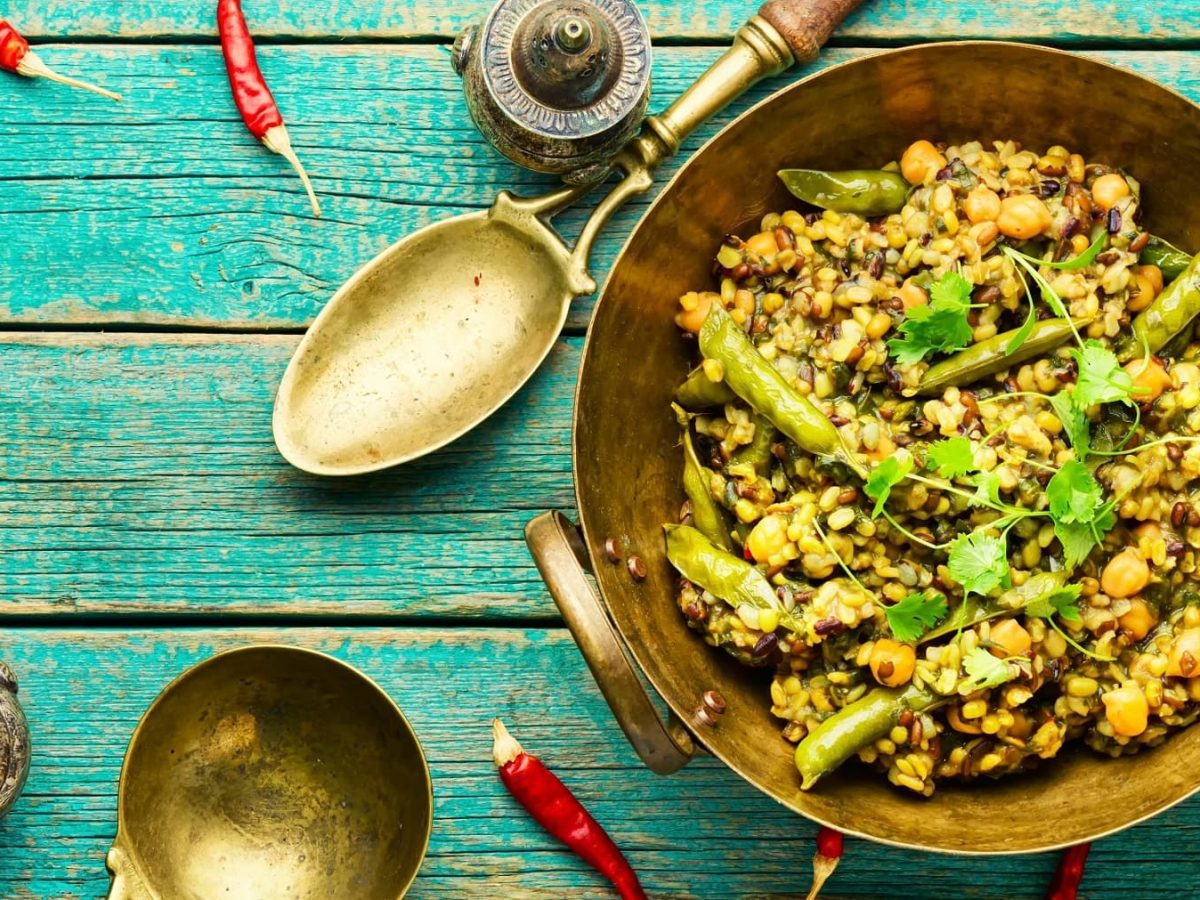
[[807, 24], [562, 559], [126, 883]]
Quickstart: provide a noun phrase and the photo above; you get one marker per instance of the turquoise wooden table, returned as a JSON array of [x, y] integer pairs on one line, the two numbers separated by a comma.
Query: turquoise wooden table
[[156, 270]]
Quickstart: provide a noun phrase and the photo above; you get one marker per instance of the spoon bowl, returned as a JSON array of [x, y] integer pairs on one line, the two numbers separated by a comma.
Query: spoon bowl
[[381, 376]]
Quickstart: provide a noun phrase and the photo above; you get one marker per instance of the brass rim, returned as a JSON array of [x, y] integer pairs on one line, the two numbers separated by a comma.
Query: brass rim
[[676, 707], [218, 658]]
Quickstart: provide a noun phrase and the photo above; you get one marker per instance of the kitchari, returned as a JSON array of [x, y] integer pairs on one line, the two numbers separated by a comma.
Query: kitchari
[[939, 456]]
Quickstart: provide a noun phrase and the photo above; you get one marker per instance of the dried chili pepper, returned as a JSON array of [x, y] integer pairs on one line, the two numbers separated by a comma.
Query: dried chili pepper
[[829, 851], [558, 811], [15, 56], [254, 99], [1069, 874]]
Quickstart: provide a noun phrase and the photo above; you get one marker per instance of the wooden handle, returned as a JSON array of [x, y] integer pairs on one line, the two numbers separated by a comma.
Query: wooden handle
[[561, 558], [806, 24]]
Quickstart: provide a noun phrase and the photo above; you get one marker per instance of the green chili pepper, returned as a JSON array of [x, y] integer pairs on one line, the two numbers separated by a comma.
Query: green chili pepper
[[1011, 601], [1169, 259], [758, 452], [1170, 313], [707, 515], [701, 392], [721, 573], [991, 356], [757, 382], [867, 192], [856, 726]]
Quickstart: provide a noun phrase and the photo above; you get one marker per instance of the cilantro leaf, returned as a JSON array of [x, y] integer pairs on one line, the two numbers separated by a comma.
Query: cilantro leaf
[[1101, 378], [952, 457], [914, 615], [1084, 259], [984, 671], [1074, 494], [941, 326], [1048, 293], [978, 562], [1058, 602], [884, 477], [1075, 423], [1026, 329], [987, 489], [1078, 538]]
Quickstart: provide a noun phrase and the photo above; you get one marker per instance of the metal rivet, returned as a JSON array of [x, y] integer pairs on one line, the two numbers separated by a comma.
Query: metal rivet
[[612, 549], [705, 717], [714, 701], [637, 568]]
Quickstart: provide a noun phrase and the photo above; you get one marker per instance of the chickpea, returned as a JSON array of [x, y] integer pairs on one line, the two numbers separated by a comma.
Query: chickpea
[[768, 538], [1154, 274], [1139, 620], [1183, 660], [1150, 379], [1127, 710], [1023, 216], [912, 294], [764, 246], [1147, 282], [1108, 190], [1011, 638], [1126, 574], [982, 204], [920, 162], [692, 319], [892, 663]]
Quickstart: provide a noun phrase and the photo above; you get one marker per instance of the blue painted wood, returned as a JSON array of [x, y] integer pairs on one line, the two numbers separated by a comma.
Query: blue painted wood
[[163, 210], [879, 20], [702, 833]]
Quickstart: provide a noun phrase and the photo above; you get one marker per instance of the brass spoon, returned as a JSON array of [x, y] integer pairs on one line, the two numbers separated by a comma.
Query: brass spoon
[[441, 329]]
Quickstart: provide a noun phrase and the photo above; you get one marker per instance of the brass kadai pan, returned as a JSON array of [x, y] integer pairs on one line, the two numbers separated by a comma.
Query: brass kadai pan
[[627, 460]]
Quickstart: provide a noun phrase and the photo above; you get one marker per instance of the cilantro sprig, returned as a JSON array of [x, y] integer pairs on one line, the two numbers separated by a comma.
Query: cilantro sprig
[[985, 671], [1061, 604], [940, 326], [915, 614]]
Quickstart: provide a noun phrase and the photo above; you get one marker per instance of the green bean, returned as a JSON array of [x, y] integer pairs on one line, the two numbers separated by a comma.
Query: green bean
[[758, 452], [991, 356], [867, 192], [707, 515], [854, 727], [1011, 601], [701, 392], [721, 573], [1171, 312], [1169, 258], [759, 383]]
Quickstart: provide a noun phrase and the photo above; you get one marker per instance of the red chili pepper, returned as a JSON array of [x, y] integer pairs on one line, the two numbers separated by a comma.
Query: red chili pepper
[[558, 811], [254, 99], [15, 56], [829, 851], [1069, 874]]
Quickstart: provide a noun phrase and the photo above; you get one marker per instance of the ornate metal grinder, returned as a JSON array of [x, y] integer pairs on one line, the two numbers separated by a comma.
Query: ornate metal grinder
[[14, 741], [558, 85]]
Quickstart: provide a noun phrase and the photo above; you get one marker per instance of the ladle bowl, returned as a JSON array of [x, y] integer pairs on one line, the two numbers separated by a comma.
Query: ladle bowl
[[271, 772]]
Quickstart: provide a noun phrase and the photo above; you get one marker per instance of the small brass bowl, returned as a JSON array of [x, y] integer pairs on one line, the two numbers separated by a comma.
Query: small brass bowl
[[271, 772]]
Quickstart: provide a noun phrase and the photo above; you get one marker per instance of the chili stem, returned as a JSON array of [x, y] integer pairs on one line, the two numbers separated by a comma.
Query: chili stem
[[32, 66], [829, 852], [278, 141]]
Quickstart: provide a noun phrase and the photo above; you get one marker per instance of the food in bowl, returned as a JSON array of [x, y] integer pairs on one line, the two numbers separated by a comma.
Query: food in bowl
[[938, 458]]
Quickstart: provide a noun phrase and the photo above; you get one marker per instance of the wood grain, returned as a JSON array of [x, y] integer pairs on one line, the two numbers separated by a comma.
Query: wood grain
[[163, 210], [879, 20], [138, 475], [702, 833]]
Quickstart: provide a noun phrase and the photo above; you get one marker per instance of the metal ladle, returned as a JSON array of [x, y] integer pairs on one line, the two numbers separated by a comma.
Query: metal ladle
[[441, 329]]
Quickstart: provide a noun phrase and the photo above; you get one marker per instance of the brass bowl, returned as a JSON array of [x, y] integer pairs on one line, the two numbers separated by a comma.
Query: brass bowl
[[271, 772], [628, 462]]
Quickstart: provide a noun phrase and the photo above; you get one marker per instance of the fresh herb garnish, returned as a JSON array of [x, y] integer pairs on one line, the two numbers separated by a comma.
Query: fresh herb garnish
[[987, 489], [984, 671], [1061, 603], [978, 562], [1075, 424], [952, 457], [1078, 538], [915, 614], [1074, 494], [884, 477], [1084, 259], [940, 326], [1101, 378]]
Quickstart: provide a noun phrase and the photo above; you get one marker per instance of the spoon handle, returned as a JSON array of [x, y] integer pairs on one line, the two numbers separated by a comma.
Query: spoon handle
[[806, 25]]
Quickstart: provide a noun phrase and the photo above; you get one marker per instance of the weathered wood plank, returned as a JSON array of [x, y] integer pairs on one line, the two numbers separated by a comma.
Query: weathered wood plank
[[138, 475], [702, 833], [879, 20], [164, 211]]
